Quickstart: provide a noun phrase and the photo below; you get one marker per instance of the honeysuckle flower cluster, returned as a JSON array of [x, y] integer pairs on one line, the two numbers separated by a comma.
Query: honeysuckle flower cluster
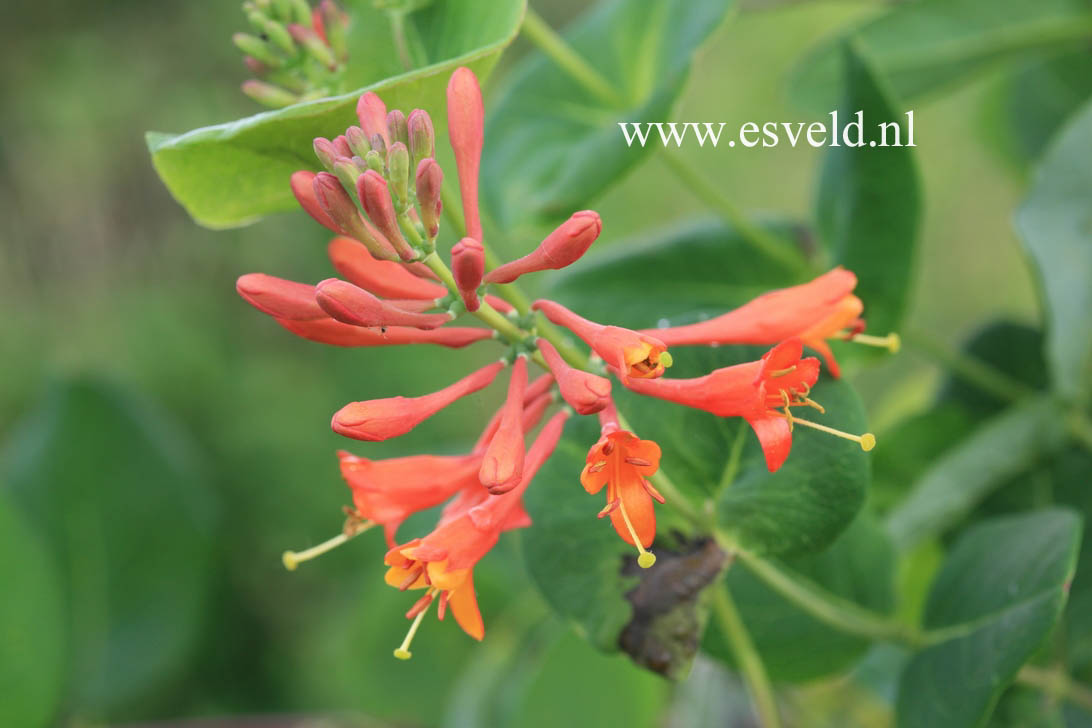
[[298, 54], [381, 194]]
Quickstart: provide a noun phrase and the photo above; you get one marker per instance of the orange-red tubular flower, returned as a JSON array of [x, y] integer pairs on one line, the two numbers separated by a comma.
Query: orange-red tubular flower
[[279, 298], [372, 113], [585, 392], [336, 333], [352, 305], [813, 312], [382, 277], [442, 563], [467, 266], [375, 197], [302, 183], [622, 462], [390, 491], [502, 465], [339, 207], [381, 419], [429, 181], [466, 121], [629, 353], [562, 247], [754, 391]]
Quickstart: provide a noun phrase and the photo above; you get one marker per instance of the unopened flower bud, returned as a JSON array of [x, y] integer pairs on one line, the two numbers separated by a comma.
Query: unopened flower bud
[[468, 265], [422, 137], [372, 113], [256, 47], [313, 45], [373, 161], [398, 173], [341, 144], [430, 182], [280, 298], [396, 124], [353, 305], [585, 392], [379, 145], [339, 206], [347, 172], [376, 199], [562, 247], [326, 153], [255, 66], [466, 118], [302, 183], [332, 24], [269, 95], [358, 141], [300, 11], [276, 32]]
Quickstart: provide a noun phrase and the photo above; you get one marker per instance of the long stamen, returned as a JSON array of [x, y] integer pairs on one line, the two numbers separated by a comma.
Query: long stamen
[[891, 342], [645, 558], [403, 651], [867, 441], [292, 559], [783, 372]]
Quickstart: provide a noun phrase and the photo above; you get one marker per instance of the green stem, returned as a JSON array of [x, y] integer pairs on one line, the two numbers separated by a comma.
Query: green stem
[[398, 31], [746, 656], [826, 607], [571, 62], [486, 313], [1080, 427], [1057, 684], [970, 369], [755, 236]]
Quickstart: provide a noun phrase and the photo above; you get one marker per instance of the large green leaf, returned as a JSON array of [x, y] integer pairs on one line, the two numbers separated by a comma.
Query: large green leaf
[[926, 46], [993, 603], [859, 566], [113, 488], [232, 174], [32, 625], [803, 506], [869, 198], [698, 269], [553, 145], [1003, 447], [1056, 224]]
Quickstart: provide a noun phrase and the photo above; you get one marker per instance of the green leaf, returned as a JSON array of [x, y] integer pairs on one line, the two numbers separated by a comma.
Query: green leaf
[[869, 198], [553, 145], [927, 46], [1056, 224], [995, 600], [859, 566], [233, 174], [1012, 349], [32, 625], [812, 498], [1003, 447], [112, 487], [686, 271]]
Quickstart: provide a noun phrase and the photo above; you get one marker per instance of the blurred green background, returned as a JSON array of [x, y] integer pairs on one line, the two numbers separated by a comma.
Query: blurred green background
[[166, 443]]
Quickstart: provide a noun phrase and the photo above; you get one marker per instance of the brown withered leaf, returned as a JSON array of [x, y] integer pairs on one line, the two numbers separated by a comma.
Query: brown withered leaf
[[668, 611]]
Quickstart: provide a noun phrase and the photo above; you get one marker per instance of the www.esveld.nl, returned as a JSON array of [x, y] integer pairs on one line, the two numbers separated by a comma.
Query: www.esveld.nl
[[772, 133]]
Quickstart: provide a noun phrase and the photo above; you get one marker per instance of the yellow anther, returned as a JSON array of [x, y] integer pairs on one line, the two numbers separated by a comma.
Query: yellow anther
[[812, 403], [867, 441], [402, 654], [891, 342], [645, 558], [292, 559], [666, 359], [783, 372]]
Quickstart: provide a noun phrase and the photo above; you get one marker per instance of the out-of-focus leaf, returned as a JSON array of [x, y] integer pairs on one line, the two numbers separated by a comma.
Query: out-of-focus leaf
[[1035, 101], [32, 625], [233, 174], [1056, 224], [1015, 350], [869, 198], [113, 487], [1005, 446], [697, 270], [996, 599], [553, 145], [859, 566], [926, 46], [812, 498]]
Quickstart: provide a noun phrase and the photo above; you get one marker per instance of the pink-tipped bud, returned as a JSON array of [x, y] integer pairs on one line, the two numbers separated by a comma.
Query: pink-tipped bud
[[502, 464], [562, 247], [585, 392], [255, 66], [468, 265], [422, 137], [328, 331], [302, 183], [269, 95], [466, 120], [430, 183], [397, 127], [376, 199], [358, 141], [372, 113], [341, 146], [349, 304], [336, 203], [384, 278], [326, 152], [382, 419], [279, 298]]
